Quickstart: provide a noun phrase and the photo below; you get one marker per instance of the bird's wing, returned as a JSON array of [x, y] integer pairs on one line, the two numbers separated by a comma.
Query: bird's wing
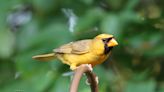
[[78, 47]]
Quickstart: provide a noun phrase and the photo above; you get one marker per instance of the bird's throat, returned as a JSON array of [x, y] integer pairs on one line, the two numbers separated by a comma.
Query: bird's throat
[[107, 49]]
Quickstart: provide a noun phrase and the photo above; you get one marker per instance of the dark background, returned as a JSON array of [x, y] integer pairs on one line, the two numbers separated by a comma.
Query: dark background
[[30, 27]]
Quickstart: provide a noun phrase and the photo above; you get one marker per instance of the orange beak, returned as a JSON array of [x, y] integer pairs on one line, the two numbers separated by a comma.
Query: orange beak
[[112, 43]]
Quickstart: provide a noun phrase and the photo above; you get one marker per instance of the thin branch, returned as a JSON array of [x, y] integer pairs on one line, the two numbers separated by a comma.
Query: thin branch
[[90, 76]]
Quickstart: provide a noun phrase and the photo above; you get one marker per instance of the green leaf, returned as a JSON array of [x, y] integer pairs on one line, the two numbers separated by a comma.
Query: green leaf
[[143, 86], [112, 25], [7, 41], [89, 20], [62, 84]]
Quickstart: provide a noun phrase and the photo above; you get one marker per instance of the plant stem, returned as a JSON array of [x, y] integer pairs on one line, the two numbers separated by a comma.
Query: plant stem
[[84, 68]]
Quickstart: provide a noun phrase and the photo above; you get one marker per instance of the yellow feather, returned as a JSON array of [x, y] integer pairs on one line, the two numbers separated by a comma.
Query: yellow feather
[[90, 51]]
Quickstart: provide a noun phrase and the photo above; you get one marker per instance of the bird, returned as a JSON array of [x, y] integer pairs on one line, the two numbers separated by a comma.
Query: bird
[[88, 51]]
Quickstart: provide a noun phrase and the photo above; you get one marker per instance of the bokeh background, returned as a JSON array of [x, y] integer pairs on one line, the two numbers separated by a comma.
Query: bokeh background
[[30, 27]]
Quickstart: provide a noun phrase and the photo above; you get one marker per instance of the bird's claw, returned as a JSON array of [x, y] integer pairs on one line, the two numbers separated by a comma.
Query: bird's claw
[[89, 66], [83, 65]]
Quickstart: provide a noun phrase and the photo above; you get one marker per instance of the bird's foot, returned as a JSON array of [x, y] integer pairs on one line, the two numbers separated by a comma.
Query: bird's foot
[[89, 66]]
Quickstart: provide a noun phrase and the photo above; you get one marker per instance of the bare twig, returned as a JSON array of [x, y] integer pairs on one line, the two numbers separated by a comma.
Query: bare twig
[[90, 76]]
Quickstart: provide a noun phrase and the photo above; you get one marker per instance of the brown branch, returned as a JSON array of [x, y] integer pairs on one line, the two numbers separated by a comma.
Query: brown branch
[[90, 76]]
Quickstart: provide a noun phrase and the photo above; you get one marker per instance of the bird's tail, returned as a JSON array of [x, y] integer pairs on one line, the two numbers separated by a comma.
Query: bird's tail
[[45, 57]]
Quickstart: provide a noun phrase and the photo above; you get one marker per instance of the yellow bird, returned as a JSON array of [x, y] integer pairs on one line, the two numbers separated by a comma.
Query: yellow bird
[[89, 51]]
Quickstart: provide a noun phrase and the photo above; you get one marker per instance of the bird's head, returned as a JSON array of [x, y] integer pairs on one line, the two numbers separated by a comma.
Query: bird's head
[[108, 41]]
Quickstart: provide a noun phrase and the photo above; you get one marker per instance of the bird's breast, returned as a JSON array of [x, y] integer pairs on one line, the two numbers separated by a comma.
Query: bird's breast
[[88, 58]]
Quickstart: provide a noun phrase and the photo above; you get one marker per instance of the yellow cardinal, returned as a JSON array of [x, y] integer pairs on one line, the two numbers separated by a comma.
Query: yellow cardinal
[[89, 51]]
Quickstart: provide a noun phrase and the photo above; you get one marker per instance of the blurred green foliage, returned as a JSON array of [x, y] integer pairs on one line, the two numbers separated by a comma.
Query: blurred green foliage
[[30, 27]]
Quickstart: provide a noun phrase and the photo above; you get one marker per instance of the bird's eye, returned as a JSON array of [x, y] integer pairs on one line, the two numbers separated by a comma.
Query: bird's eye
[[106, 40]]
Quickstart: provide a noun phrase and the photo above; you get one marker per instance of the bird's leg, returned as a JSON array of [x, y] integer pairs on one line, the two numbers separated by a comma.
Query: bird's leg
[[90, 67], [74, 66]]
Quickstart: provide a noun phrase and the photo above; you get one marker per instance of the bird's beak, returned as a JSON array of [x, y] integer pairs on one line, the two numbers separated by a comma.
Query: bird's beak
[[112, 43]]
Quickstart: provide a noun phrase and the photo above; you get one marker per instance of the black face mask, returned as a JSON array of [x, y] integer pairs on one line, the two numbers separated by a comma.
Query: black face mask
[[107, 49]]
